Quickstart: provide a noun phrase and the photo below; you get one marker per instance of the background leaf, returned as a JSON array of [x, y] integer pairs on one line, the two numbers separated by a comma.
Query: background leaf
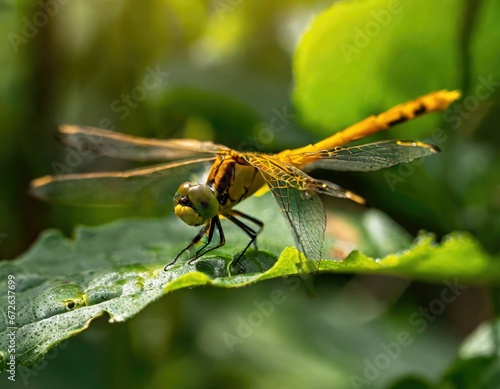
[[354, 49]]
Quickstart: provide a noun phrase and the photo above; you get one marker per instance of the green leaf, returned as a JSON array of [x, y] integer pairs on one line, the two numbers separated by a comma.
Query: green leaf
[[459, 255], [361, 57], [478, 372], [477, 366], [61, 285], [484, 60], [411, 383]]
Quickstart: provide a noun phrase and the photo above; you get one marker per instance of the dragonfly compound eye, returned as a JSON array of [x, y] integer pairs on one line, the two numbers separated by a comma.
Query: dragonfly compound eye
[[195, 204]]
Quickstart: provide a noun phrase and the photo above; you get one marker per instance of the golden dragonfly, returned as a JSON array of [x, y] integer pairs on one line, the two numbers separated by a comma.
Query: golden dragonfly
[[236, 175]]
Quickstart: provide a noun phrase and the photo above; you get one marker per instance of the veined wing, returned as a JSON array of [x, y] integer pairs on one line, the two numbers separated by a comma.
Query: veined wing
[[99, 141], [153, 185], [364, 158], [296, 194]]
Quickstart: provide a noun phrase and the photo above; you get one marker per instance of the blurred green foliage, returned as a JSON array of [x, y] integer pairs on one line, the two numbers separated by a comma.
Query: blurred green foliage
[[229, 66]]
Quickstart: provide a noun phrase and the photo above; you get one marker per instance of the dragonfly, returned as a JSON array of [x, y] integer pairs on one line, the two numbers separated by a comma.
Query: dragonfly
[[234, 176]]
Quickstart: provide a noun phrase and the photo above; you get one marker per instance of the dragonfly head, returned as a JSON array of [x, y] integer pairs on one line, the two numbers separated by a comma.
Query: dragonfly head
[[195, 204]]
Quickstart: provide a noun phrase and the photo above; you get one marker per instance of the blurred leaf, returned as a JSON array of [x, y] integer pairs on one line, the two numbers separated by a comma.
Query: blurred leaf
[[484, 53], [483, 342], [479, 372], [62, 285], [205, 115], [477, 366], [458, 255], [411, 383], [355, 50]]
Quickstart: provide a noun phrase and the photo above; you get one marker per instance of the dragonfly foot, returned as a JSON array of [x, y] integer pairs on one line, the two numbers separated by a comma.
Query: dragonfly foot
[[191, 261], [169, 264], [173, 261], [236, 267]]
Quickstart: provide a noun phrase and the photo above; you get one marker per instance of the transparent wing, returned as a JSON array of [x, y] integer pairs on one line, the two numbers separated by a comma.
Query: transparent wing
[[154, 185], [296, 194], [99, 141], [305, 215], [369, 157]]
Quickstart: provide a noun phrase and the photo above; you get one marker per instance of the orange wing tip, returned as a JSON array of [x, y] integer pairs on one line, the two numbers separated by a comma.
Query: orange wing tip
[[433, 149], [354, 197], [38, 182], [67, 129], [36, 186], [65, 134]]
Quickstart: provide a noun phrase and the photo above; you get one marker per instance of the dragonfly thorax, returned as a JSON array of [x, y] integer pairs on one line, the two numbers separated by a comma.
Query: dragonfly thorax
[[195, 204]]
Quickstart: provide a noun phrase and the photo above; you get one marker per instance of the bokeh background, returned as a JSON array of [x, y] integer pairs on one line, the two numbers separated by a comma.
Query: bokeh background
[[220, 70]]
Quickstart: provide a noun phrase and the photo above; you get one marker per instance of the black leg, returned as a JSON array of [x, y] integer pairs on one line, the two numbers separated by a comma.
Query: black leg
[[222, 240], [209, 229], [195, 240], [249, 231], [257, 222]]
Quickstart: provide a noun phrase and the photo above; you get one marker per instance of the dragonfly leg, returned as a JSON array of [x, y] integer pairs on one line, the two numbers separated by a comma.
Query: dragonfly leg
[[257, 222], [249, 231], [195, 240], [222, 240]]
